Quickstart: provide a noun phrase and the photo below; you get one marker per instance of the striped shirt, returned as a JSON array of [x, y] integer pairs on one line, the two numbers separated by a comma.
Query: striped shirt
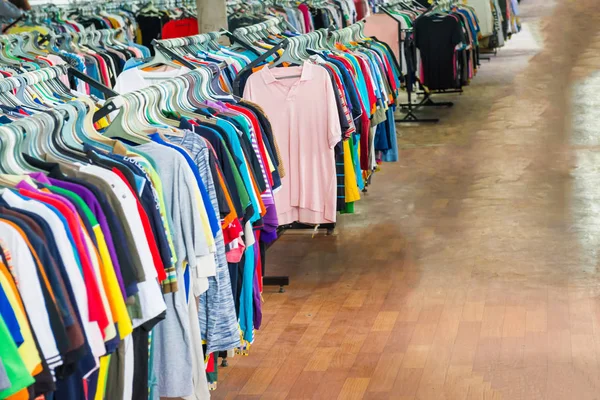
[[218, 318]]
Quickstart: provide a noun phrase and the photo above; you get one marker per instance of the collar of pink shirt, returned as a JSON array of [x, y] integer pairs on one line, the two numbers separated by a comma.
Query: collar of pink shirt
[[270, 75]]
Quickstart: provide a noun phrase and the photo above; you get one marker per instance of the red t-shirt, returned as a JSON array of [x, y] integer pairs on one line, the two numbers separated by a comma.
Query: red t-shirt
[[180, 28], [95, 306], [158, 265]]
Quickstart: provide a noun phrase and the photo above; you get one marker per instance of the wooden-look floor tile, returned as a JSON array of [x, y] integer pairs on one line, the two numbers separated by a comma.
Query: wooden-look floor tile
[[469, 270], [354, 389], [385, 372], [320, 359]]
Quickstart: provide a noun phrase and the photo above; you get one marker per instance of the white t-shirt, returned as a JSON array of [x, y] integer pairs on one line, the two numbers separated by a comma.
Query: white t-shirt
[[91, 328], [483, 10], [135, 79], [26, 277], [150, 294]]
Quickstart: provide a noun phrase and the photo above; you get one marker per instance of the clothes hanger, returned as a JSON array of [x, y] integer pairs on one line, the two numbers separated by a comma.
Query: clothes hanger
[[289, 55], [67, 131], [159, 59], [11, 158], [88, 128], [120, 128], [5, 56]]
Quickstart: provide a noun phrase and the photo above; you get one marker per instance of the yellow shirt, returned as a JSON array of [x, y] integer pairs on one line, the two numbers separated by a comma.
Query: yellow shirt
[[352, 192]]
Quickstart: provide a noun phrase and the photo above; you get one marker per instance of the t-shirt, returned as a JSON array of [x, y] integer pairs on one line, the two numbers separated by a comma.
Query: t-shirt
[[134, 79], [307, 128], [17, 374], [179, 28], [24, 269], [436, 37]]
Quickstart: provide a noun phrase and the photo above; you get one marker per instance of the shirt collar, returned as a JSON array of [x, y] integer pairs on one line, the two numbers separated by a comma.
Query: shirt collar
[[306, 75]]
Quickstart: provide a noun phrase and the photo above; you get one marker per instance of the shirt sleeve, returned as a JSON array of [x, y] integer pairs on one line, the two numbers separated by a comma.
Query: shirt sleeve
[[334, 130], [248, 90], [198, 253]]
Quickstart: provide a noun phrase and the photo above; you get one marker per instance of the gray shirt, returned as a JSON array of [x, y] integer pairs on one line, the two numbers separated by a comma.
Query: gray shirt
[[172, 338], [218, 318], [4, 381]]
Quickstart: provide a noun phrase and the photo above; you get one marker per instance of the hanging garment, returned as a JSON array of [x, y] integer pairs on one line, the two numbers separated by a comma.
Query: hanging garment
[[309, 128]]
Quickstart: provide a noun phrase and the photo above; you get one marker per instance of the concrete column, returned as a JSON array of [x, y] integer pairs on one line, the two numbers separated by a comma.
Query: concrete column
[[212, 15]]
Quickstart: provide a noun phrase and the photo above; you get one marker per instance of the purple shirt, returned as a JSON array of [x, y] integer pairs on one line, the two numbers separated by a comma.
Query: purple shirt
[[219, 106], [26, 186], [88, 197]]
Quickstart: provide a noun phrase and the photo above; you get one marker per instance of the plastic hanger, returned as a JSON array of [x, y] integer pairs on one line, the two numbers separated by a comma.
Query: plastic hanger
[[119, 128], [159, 59], [288, 55], [88, 122], [11, 158]]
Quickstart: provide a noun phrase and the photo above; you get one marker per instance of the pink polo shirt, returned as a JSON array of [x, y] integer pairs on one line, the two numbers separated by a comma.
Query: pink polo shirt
[[300, 104]]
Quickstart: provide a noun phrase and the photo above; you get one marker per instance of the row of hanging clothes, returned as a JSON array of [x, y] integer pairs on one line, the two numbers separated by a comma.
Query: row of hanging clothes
[[245, 149], [50, 38], [143, 245], [163, 19], [498, 21], [439, 45], [77, 18], [150, 233], [330, 97], [304, 17]]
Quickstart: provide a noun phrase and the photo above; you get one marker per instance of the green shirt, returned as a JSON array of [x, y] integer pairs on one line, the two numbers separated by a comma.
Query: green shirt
[[15, 368]]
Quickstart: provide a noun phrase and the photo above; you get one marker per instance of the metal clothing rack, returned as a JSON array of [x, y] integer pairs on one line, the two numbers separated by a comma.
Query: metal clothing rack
[[409, 107], [106, 91], [282, 281]]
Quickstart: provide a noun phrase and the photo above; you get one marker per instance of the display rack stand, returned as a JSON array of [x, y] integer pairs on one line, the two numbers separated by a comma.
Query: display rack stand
[[409, 107], [282, 281]]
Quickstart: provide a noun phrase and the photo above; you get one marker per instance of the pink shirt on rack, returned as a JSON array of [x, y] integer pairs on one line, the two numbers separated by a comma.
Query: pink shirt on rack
[[300, 104]]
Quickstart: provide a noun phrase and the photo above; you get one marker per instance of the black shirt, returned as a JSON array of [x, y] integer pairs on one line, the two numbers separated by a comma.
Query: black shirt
[[436, 36]]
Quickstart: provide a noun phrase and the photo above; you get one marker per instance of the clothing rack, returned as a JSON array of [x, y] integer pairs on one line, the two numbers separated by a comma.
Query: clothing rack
[[209, 38], [19, 82], [409, 107], [277, 23], [49, 73]]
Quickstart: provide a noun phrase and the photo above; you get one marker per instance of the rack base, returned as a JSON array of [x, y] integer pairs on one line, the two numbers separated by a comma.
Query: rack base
[[282, 281]]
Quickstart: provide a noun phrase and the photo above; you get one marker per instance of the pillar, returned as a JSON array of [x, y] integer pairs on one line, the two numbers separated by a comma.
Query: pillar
[[212, 15]]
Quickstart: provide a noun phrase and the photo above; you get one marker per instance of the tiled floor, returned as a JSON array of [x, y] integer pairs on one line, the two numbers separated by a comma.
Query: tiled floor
[[471, 268]]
